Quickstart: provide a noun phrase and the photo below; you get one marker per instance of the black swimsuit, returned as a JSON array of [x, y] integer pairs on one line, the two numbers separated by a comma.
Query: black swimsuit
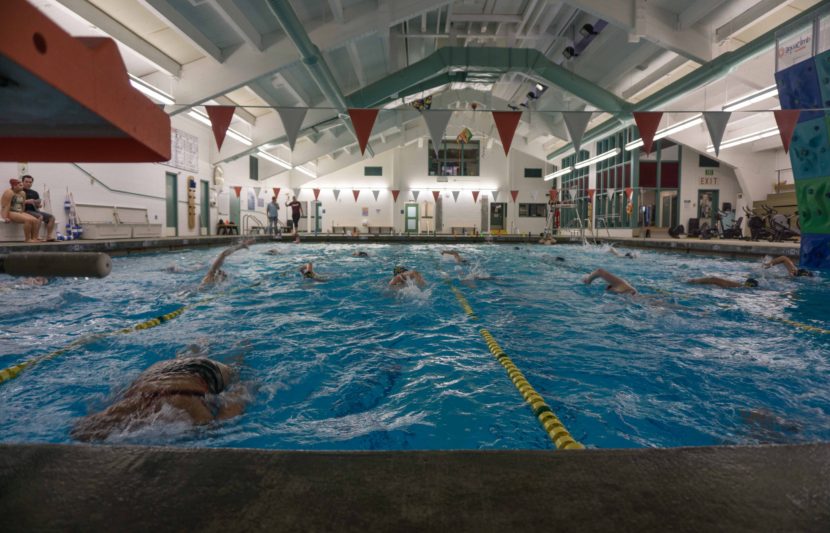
[[205, 368]]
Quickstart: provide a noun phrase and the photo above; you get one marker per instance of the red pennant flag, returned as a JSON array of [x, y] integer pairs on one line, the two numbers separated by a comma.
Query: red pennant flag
[[395, 193], [629, 192], [591, 194], [506, 123], [237, 189], [436, 194], [514, 194], [316, 193], [647, 122], [475, 196], [356, 193], [554, 194], [363, 120], [220, 120], [786, 120], [277, 192]]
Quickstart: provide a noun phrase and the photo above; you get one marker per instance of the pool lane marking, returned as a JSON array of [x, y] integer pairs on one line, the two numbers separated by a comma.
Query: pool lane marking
[[800, 325], [12, 372], [554, 427]]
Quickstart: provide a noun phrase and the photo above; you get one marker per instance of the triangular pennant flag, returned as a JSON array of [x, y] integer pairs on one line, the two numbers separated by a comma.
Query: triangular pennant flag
[[495, 196], [336, 194], [395, 193], [256, 191], [506, 123], [576, 122], [716, 124], [220, 119], [356, 193], [237, 189], [436, 124], [786, 120], [363, 120], [455, 195], [591, 194], [277, 192], [514, 194], [316, 193], [376, 193], [572, 193], [436, 194], [629, 192], [297, 191], [475, 196], [610, 192], [292, 120], [647, 122], [533, 195], [415, 194]]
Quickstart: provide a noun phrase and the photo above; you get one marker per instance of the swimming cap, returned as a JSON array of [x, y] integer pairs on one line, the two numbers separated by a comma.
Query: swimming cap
[[751, 282], [560, 258], [804, 272], [399, 270]]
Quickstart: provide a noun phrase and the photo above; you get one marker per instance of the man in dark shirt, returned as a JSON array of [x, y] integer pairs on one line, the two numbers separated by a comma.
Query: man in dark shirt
[[33, 205], [296, 213]]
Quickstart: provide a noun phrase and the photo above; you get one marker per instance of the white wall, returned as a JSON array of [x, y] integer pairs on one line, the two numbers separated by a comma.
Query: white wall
[[690, 183]]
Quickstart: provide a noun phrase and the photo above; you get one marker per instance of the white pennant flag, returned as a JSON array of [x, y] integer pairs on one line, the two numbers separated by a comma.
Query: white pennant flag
[[292, 120], [455, 195], [415, 195], [336, 194], [716, 123], [576, 122], [376, 193], [495, 196], [297, 192], [436, 124], [256, 191], [572, 192]]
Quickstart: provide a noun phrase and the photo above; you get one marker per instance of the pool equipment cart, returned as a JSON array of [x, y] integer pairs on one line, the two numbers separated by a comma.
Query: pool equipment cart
[[63, 264]]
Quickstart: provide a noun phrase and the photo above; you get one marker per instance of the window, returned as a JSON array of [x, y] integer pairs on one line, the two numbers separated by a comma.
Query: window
[[253, 168], [705, 162], [373, 171], [533, 210], [454, 159], [533, 172]]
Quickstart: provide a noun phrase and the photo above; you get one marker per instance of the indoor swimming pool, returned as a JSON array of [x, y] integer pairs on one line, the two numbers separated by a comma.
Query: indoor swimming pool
[[349, 364]]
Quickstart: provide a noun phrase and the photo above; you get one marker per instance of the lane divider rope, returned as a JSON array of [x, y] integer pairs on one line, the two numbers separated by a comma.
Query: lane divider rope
[[554, 427]]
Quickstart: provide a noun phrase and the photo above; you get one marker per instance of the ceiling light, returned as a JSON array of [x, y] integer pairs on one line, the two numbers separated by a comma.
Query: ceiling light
[[569, 52], [748, 138], [273, 159], [150, 91], [752, 98], [587, 29], [596, 159], [306, 171], [671, 130], [558, 173]]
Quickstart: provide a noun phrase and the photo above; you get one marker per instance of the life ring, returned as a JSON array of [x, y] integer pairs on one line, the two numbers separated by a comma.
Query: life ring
[[629, 208]]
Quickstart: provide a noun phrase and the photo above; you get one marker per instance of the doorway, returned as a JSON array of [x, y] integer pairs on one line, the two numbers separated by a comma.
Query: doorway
[[204, 209], [171, 194], [707, 206], [234, 209], [668, 209], [410, 220], [318, 216], [498, 215]]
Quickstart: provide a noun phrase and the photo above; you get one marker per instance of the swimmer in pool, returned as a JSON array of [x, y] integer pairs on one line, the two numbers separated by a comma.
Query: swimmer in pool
[[216, 274], [196, 390], [614, 251], [360, 253], [25, 283], [790, 266], [403, 275], [307, 270], [615, 285], [454, 253], [749, 283]]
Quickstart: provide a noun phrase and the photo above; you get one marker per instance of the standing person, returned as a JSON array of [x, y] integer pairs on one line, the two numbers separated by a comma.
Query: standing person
[[296, 213], [273, 211], [12, 210], [33, 205]]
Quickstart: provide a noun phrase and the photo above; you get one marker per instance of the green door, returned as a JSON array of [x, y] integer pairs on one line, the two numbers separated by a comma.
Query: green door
[[172, 198], [318, 217], [234, 208], [410, 222], [498, 211], [204, 209]]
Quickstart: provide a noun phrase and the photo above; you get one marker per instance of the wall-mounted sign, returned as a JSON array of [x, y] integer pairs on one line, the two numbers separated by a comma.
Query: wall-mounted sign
[[710, 172], [708, 180]]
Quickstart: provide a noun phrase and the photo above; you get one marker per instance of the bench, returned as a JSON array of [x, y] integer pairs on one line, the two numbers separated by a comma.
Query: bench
[[463, 230], [100, 222], [380, 230], [345, 230], [11, 232], [138, 220]]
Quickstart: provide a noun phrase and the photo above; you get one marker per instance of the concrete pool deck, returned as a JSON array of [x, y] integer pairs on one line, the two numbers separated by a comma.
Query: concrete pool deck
[[50, 487]]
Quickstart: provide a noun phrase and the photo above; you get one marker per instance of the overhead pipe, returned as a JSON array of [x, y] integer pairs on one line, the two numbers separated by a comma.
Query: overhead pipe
[[313, 60], [704, 74]]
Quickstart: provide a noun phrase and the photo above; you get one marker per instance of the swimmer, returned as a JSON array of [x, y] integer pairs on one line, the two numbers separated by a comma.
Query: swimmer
[[403, 274], [750, 283], [360, 253], [272, 251], [455, 254], [615, 284], [196, 390], [618, 254], [789, 265], [37, 281], [216, 274], [547, 239], [307, 270]]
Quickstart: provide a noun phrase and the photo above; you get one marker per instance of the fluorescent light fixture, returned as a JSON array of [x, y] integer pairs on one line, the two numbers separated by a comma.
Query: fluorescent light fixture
[[233, 134], [273, 159], [671, 130], [748, 138], [558, 173], [150, 91], [597, 158], [306, 171], [752, 98]]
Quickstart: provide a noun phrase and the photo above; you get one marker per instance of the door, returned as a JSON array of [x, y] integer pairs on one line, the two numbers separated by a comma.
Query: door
[[410, 221], [171, 194], [668, 209], [707, 206], [498, 214], [318, 217], [204, 209], [234, 208]]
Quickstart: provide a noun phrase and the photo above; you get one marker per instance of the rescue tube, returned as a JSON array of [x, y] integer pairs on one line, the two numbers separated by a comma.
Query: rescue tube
[[66, 264]]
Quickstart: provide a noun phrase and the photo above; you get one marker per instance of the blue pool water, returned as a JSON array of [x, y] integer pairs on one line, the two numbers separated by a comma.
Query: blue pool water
[[350, 365]]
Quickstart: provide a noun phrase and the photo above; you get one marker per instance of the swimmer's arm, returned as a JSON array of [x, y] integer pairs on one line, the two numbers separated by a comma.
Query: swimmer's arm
[[783, 260], [604, 274]]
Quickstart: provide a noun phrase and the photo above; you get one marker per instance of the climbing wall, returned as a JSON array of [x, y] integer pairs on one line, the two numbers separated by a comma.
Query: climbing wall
[[806, 86]]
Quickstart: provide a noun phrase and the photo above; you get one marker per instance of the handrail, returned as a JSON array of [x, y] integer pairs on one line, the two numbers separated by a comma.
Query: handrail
[[245, 221]]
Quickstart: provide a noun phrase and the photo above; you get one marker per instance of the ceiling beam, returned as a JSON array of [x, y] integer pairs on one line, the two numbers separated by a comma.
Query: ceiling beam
[[692, 14], [748, 17], [654, 76], [240, 23], [184, 27], [357, 63], [467, 17], [241, 111], [122, 34], [336, 8]]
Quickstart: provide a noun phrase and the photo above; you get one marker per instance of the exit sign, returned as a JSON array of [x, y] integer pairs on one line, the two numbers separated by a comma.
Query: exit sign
[[710, 172]]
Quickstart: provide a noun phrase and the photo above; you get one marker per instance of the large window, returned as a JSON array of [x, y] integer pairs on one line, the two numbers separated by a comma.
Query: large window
[[454, 159], [613, 177], [574, 191], [533, 210]]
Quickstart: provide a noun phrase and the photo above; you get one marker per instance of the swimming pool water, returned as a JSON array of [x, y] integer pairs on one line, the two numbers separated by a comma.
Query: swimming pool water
[[350, 365]]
